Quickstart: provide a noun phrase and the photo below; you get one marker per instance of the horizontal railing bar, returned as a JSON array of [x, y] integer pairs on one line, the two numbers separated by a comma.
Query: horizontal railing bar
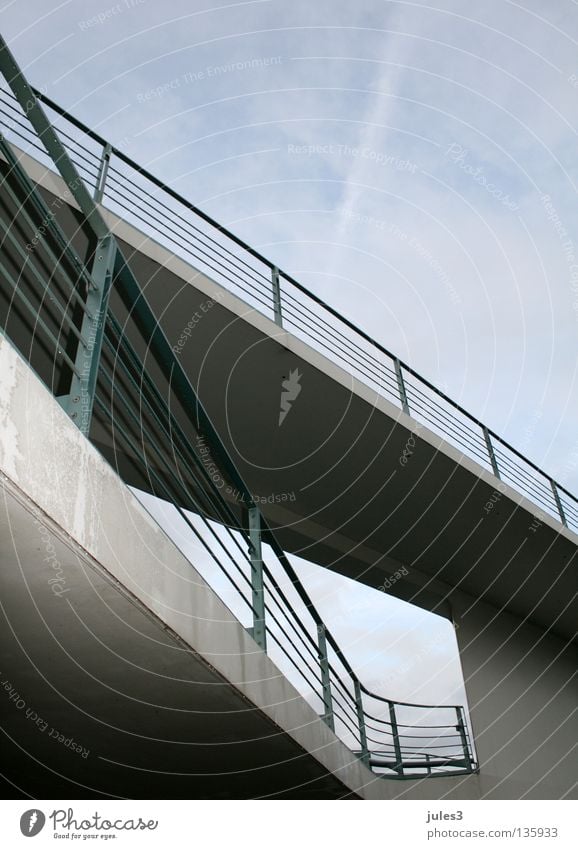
[[349, 705], [294, 307], [167, 489], [314, 687], [447, 428], [37, 320], [293, 622], [175, 433], [143, 172], [345, 718], [290, 641], [414, 736], [215, 256], [510, 463], [257, 297], [406, 704], [414, 387], [142, 195], [341, 351], [62, 310]]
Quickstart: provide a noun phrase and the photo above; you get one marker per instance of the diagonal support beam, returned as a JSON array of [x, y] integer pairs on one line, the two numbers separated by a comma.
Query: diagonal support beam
[[47, 135]]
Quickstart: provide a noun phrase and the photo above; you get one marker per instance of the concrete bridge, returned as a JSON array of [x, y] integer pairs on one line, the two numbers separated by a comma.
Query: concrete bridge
[[114, 643]]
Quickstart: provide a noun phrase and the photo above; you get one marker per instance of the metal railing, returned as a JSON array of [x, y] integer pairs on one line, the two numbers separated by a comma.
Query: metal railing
[[84, 346], [160, 212]]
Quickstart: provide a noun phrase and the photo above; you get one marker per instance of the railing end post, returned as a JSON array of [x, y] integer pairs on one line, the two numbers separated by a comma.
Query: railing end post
[[102, 173], [461, 727], [276, 285], [401, 385], [558, 502], [395, 734]]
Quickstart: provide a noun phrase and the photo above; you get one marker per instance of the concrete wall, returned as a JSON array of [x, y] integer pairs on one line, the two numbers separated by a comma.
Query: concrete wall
[[522, 692], [48, 465]]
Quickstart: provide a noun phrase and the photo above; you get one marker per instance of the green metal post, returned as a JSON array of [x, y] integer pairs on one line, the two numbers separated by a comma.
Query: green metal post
[[258, 631], [325, 678], [491, 453], [361, 723], [395, 735], [461, 727], [83, 386], [558, 502], [276, 296], [401, 386], [102, 173]]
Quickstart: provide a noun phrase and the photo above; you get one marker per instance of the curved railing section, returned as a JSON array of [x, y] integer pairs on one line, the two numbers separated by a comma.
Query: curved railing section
[[407, 740], [159, 211]]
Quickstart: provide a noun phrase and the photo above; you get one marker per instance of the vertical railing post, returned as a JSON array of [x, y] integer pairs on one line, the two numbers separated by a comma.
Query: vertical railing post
[[102, 173], [558, 502], [461, 727], [361, 723], [491, 454], [258, 631], [325, 677], [401, 386], [276, 295], [428, 767], [395, 735], [83, 385]]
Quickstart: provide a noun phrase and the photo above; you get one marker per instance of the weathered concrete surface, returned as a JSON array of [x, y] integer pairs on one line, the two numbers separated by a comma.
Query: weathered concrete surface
[[523, 695], [114, 639]]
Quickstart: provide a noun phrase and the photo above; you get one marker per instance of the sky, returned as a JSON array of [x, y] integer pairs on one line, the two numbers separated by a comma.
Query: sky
[[413, 163]]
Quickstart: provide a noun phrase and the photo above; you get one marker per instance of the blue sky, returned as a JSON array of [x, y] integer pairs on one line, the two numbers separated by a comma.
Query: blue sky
[[413, 163]]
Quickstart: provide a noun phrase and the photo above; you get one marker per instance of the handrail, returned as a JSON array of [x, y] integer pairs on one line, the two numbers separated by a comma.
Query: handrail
[[282, 274], [155, 180], [403, 704], [547, 497]]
